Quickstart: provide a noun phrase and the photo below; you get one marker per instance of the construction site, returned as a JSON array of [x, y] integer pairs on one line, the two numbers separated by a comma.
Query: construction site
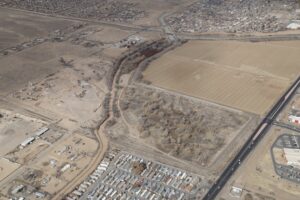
[[130, 100]]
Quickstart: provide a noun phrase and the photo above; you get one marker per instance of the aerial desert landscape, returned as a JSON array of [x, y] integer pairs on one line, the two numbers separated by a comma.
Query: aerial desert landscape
[[149, 100]]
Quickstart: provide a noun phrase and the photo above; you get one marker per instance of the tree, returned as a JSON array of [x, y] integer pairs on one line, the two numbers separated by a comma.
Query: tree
[[248, 197]]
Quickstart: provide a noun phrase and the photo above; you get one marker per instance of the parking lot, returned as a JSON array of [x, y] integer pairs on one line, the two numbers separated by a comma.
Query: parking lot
[[286, 170]]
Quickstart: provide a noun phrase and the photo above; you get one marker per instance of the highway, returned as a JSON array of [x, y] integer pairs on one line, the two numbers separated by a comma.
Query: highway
[[253, 140]]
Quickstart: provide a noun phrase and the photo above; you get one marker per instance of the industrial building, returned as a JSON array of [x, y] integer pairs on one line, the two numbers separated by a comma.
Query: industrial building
[[27, 142], [292, 157], [295, 118]]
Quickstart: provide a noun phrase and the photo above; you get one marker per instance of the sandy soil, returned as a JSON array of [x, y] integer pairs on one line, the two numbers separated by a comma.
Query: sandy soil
[[29, 153], [76, 150], [34, 64], [17, 27], [109, 35], [293, 105], [7, 167], [17, 127], [246, 76]]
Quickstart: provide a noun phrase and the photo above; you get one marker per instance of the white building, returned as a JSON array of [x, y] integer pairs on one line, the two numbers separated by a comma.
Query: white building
[[292, 156], [293, 26], [27, 142], [294, 119], [41, 131]]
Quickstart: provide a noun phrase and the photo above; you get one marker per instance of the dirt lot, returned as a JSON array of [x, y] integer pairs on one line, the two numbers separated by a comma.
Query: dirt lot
[[17, 27], [6, 168], [247, 76], [28, 154], [53, 168], [258, 177], [18, 127], [292, 108], [76, 150], [34, 64], [64, 91]]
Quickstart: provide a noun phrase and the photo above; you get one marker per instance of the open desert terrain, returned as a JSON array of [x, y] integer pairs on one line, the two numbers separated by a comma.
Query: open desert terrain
[[150, 100], [16, 27]]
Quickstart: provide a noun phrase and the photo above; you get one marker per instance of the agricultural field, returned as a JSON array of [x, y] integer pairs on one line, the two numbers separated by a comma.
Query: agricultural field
[[246, 76]]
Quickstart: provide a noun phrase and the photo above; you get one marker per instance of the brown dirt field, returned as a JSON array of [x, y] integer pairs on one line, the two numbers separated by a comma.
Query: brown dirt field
[[34, 64], [294, 104], [17, 27], [7, 167], [109, 34], [246, 76], [279, 156], [29, 153], [77, 150], [14, 129]]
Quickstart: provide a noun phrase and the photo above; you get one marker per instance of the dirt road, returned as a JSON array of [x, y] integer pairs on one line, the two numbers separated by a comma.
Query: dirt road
[[102, 148]]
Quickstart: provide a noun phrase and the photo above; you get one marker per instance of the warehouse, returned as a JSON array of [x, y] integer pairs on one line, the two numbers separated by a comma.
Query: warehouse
[[292, 157], [27, 142]]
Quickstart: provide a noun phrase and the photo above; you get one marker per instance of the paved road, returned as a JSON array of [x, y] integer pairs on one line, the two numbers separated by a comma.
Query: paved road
[[287, 126], [254, 139]]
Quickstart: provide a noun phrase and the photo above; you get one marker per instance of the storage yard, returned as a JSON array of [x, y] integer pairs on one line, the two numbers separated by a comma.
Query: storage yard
[[247, 76]]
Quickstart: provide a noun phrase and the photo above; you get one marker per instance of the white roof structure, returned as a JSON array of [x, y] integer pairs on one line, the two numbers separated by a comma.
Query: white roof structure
[[27, 141], [292, 156], [293, 26], [294, 119], [41, 131]]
